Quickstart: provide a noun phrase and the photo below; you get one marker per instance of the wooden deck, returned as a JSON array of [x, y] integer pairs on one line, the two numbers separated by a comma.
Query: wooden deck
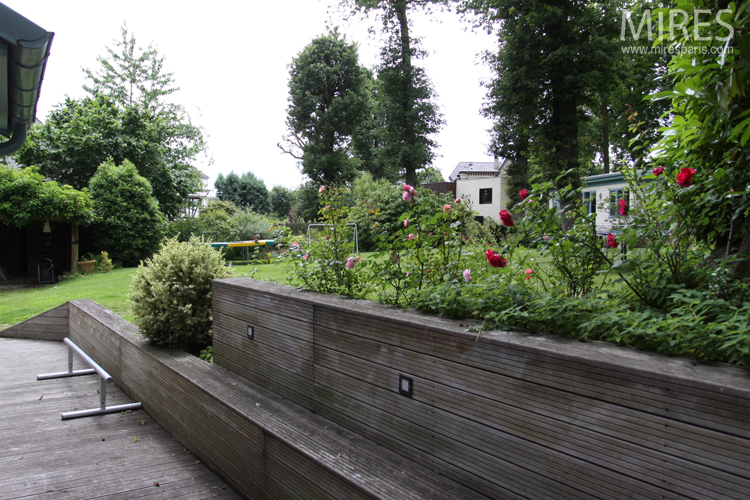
[[115, 456]]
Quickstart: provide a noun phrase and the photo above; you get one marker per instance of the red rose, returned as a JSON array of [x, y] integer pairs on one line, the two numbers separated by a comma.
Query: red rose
[[506, 218], [685, 177], [494, 259], [524, 193], [658, 171], [611, 241]]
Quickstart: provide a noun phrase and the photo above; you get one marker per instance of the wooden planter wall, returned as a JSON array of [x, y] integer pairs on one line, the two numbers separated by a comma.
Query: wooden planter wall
[[508, 415]]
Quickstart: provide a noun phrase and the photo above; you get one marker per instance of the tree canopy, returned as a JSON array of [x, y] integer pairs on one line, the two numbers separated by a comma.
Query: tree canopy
[[246, 190], [554, 59], [129, 225], [122, 118], [328, 99], [26, 195], [407, 114]]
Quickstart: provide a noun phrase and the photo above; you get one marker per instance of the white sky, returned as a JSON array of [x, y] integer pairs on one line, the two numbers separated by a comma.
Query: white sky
[[230, 60]]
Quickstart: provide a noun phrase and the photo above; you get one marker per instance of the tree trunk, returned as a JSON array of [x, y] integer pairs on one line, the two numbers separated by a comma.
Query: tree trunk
[[605, 131], [400, 8], [743, 268]]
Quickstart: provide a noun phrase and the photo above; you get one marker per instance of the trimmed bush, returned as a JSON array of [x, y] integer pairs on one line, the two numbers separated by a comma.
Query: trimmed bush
[[130, 225], [171, 294]]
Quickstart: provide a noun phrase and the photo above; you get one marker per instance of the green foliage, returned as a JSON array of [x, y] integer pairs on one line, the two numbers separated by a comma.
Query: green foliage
[[328, 263], [207, 354], [171, 293], [328, 99], [710, 127], [26, 195], [429, 175], [105, 263], [281, 202], [129, 77], [246, 190], [129, 223], [79, 135], [542, 83], [123, 118], [568, 236], [426, 247], [305, 205], [405, 117]]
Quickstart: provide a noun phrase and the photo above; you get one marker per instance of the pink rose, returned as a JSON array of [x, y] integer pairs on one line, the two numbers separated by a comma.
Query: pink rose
[[350, 263], [411, 237], [304, 257], [458, 200], [406, 222], [467, 275], [322, 188], [447, 208], [528, 274]]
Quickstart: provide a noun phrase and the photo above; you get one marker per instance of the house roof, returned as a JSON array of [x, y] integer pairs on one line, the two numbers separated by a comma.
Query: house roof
[[477, 169], [614, 178], [24, 49]]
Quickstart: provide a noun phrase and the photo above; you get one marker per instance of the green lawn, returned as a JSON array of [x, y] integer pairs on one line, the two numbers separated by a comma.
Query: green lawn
[[110, 290]]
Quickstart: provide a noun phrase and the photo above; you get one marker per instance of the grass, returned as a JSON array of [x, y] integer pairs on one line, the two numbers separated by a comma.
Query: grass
[[109, 290]]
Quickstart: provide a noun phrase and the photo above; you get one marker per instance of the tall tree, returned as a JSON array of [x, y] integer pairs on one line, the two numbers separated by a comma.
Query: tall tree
[[246, 190], [549, 67], [124, 117], [328, 100], [130, 77], [406, 99]]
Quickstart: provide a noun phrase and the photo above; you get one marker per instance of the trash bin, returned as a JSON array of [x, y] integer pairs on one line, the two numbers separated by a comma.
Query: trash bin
[[45, 271]]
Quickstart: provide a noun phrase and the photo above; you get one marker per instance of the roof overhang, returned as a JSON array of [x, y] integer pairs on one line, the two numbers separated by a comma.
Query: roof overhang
[[24, 50]]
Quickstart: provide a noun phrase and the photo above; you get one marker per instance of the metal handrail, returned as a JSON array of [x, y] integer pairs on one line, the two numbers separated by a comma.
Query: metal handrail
[[104, 379]]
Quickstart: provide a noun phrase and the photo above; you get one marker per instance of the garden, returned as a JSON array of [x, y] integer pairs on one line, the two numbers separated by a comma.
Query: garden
[[671, 277]]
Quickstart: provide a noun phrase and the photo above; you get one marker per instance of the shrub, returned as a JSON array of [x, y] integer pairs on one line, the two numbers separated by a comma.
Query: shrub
[[129, 224], [26, 195], [105, 263], [171, 293], [328, 264]]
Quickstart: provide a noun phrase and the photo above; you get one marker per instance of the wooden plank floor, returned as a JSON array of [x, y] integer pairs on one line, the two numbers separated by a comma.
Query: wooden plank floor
[[115, 456]]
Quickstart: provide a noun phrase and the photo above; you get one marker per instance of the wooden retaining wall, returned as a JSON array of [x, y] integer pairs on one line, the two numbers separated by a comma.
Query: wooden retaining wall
[[260, 443], [509, 415], [50, 325]]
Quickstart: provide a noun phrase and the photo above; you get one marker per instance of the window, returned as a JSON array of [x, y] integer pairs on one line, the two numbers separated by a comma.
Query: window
[[485, 196], [615, 195], [589, 201]]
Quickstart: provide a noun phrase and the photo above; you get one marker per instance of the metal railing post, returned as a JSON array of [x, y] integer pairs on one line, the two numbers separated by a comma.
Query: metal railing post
[[104, 379]]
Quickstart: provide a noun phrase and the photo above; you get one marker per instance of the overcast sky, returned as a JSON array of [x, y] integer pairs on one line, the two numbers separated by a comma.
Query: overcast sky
[[230, 60]]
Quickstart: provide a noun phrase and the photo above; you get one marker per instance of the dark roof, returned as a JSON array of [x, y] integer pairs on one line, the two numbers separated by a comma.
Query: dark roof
[[24, 49], [476, 167]]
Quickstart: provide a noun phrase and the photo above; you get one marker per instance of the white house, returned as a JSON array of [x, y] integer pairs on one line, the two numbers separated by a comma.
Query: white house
[[601, 194], [484, 184]]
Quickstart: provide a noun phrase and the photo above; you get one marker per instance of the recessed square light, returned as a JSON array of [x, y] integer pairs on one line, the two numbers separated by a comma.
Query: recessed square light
[[250, 332], [405, 385]]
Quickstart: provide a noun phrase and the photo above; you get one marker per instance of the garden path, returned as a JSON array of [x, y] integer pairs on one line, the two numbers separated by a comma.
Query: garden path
[[115, 456]]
